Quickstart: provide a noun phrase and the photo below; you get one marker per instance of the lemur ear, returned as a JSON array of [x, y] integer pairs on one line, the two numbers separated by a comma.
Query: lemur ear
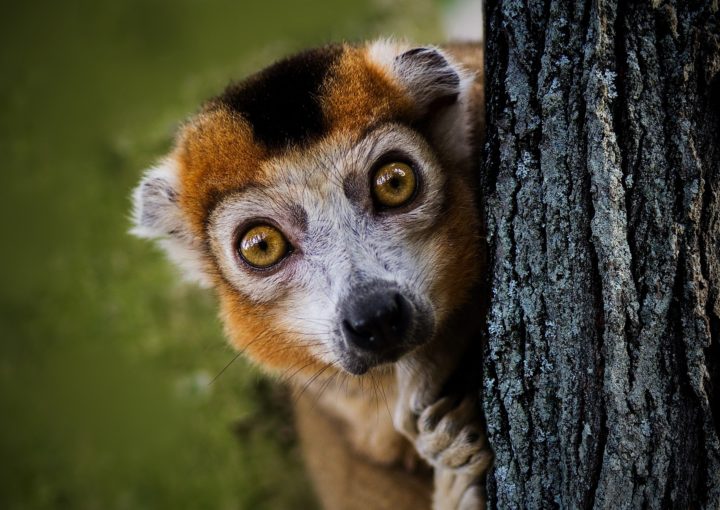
[[157, 216], [156, 213], [429, 78], [440, 89]]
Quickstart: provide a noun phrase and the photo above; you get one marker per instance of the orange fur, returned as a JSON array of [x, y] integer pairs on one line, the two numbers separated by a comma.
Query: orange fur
[[457, 249], [252, 329], [361, 94], [216, 154]]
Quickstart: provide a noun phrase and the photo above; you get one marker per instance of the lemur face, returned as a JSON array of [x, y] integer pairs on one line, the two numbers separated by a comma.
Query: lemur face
[[329, 201]]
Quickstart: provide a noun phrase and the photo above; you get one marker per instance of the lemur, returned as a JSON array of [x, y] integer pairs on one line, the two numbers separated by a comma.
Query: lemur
[[330, 201]]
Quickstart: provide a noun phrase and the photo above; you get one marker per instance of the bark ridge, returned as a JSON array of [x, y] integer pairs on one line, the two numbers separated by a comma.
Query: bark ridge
[[602, 196]]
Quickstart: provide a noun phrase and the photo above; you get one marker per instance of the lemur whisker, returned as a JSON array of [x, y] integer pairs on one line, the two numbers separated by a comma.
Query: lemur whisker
[[387, 406], [376, 397], [310, 363], [284, 377], [293, 345], [312, 380], [346, 381], [237, 355], [242, 351], [324, 387]]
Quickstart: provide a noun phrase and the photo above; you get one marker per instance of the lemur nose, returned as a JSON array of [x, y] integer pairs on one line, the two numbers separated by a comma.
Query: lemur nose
[[377, 322]]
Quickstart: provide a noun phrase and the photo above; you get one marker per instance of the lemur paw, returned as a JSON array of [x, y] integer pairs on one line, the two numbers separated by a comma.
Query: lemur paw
[[449, 436]]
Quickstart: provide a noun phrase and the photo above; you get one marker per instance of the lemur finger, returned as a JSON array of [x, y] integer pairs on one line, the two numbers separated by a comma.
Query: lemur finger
[[433, 414], [449, 436], [449, 415], [437, 431], [464, 449], [468, 454]]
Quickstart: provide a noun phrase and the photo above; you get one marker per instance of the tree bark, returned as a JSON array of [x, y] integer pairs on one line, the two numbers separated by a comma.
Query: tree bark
[[602, 186]]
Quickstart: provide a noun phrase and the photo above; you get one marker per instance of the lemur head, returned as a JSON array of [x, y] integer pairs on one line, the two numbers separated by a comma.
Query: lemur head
[[329, 200]]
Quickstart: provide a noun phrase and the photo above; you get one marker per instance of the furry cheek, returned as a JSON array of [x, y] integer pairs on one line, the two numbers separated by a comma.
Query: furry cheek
[[257, 330], [454, 264]]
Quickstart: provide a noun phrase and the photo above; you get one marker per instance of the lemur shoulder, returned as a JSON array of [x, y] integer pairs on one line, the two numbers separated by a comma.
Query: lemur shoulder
[[330, 201]]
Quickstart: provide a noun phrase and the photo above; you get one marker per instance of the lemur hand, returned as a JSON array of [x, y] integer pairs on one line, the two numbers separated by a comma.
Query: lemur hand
[[447, 433]]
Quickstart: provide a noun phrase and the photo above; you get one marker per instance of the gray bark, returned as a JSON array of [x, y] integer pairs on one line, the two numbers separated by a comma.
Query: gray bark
[[602, 186]]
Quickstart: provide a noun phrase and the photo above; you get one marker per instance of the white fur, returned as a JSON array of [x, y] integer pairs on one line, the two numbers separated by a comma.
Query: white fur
[[156, 215], [383, 52]]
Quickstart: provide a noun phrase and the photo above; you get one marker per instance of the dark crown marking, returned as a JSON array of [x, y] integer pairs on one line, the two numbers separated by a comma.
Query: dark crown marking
[[282, 103]]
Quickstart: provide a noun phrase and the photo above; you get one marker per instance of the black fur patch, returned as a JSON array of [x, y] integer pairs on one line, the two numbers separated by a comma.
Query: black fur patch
[[282, 102]]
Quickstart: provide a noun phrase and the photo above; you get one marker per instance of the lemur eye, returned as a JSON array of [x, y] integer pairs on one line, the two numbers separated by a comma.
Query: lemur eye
[[263, 246], [393, 184]]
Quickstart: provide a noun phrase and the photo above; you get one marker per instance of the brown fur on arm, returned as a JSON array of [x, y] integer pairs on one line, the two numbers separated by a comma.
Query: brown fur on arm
[[346, 480]]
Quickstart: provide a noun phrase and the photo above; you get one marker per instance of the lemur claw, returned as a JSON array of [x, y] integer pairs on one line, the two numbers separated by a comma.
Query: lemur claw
[[448, 436]]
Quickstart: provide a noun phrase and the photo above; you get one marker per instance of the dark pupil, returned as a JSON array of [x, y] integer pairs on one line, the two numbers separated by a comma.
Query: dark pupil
[[394, 182], [263, 245]]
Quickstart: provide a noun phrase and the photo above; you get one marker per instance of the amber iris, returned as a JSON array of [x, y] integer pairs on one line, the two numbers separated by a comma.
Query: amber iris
[[393, 184], [263, 246]]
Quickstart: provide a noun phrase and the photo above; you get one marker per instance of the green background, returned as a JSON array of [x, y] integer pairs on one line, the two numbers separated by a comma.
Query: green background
[[106, 357]]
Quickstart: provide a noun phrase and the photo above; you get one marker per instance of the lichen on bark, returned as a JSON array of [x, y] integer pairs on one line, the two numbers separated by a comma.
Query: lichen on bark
[[602, 192]]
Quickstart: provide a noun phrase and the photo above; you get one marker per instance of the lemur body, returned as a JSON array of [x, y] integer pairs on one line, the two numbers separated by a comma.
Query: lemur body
[[329, 200]]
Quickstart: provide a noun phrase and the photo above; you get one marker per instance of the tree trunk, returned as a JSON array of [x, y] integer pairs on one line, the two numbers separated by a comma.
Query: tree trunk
[[602, 185]]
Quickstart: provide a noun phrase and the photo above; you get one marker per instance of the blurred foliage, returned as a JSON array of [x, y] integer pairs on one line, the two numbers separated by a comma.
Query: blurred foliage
[[106, 358]]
